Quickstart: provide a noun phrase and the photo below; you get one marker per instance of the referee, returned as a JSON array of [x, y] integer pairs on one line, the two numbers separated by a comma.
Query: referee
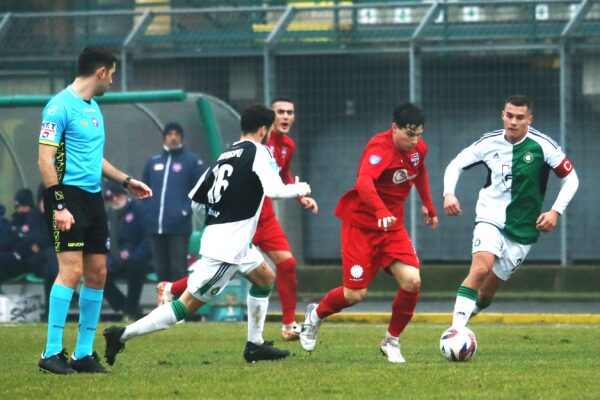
[[71, 162]]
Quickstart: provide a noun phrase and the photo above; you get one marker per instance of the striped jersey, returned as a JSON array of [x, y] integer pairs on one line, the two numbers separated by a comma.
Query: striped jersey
[[76, 127], [233, 190], [512, 196]]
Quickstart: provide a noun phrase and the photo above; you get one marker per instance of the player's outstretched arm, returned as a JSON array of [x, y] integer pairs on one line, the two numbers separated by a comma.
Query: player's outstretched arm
[[428, 210], [451, 205], [467, 157], [137, 188], [310, 204], [265, 168], [547, 221], [429, 219], [367, 192]]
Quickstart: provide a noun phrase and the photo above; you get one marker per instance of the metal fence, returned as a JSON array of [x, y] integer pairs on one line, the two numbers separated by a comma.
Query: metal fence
[[347, 66]]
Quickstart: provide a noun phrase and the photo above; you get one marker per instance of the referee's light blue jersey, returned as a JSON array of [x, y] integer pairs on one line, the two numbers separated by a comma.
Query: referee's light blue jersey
[[76, 127]]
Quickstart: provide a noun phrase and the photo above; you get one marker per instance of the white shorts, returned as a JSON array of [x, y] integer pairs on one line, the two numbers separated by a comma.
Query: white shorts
[[509, 254], [211, 276]]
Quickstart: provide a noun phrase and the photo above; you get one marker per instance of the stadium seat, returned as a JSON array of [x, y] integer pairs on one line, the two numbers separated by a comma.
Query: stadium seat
[[33, 278], [19, 279]]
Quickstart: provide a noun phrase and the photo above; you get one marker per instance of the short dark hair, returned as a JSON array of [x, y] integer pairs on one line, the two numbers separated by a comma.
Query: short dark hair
[[520, 101], [173, 126], [112, 189], [282, 98], [256, 116], [24, 197], [408, 114], [92, 58]]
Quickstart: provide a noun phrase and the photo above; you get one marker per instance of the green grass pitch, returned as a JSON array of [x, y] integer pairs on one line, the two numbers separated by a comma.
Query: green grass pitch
[[204, 361]]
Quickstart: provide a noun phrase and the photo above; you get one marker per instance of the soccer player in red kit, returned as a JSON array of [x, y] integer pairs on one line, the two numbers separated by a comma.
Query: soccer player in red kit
[[373, 233], [269, 236]]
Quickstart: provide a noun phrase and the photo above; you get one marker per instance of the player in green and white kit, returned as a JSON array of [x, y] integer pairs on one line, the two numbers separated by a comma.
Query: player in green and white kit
[[509, 208]]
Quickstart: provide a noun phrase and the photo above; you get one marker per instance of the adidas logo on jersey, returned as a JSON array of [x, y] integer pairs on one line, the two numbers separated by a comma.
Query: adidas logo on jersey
[[496, 155]]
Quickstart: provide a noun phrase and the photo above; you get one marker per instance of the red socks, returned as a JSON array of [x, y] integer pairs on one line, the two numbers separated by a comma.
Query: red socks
[[332, 303], [403, 309], [286, 287], [178, 287]]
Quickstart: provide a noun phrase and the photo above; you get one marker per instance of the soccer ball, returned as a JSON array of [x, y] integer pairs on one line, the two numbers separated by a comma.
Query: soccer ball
[[458, 344]]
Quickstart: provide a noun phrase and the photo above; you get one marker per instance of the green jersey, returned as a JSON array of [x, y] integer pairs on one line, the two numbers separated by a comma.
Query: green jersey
[[512, 196]]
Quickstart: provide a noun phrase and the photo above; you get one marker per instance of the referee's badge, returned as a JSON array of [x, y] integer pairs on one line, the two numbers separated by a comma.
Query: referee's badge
[[374, 159]]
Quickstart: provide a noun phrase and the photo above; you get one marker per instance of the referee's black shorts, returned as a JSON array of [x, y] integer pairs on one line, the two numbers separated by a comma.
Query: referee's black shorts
[[90, 231]]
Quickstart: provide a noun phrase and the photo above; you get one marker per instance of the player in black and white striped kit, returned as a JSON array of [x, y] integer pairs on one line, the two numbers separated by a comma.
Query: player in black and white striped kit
[[231, 193]]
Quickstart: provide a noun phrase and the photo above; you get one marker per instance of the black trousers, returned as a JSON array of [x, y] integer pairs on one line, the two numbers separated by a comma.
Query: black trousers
[[170, 256], [135, 276]]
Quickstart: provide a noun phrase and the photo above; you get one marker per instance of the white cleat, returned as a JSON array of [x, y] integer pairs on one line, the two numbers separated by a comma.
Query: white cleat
[[391, 348], [308, 334], [290, 332], [164, 295]]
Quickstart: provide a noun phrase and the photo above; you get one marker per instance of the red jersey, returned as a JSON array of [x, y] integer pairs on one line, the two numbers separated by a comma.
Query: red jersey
[[385, 178], [283, 148]]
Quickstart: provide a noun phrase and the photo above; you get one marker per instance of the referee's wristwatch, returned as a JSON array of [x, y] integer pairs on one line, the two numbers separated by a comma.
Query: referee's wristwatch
[[125, 182]]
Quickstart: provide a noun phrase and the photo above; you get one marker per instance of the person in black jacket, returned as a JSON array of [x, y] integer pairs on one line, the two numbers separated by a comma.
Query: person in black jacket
[[4, 230], [27, 239], [130, 256], [171, 175]]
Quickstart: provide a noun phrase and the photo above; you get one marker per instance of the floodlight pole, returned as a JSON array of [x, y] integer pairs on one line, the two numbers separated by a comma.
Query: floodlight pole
[[414, 62], [269, 69], [566, 99], [565, 118], [4, 25], [138, 29], [415, 86]]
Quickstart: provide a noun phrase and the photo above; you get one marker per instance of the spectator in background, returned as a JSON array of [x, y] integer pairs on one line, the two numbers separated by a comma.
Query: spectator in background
[[26, 238], [130, 256], [4, 229], [171, 174]]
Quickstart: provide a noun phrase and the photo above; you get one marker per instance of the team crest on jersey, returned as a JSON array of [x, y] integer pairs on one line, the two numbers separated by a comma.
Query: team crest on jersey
[[374, 159], [177, 167], [129, 217], [94, 121], [414, 159], [528, 157], [284, 151]]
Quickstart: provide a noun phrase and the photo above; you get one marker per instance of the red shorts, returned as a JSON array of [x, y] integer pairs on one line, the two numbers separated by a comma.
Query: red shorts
[[364, 251], [269, 235]]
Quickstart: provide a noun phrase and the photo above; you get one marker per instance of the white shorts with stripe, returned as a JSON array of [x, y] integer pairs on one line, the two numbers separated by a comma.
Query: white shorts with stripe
[[211, 276], [509, 254]]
